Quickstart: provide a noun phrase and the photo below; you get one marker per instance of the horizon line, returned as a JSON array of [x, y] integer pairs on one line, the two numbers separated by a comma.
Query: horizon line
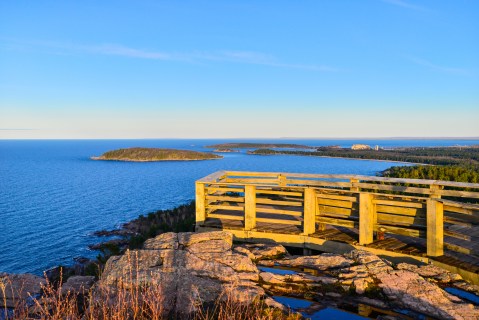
[[263, 138]]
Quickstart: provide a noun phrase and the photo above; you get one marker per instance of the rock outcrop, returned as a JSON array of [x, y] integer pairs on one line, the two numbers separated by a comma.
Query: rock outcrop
[[16, 288], [189, 269]]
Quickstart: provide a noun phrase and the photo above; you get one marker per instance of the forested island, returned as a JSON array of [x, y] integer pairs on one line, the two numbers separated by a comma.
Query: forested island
[[247, 145], [445, 163], [155, 154]]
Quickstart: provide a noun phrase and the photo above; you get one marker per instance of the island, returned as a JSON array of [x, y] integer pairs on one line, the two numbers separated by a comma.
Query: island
[[224, 150], [155, 154], [247, 145]]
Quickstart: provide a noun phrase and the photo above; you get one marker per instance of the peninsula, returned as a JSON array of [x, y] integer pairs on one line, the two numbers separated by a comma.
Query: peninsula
[[155, 154], [246, 145]]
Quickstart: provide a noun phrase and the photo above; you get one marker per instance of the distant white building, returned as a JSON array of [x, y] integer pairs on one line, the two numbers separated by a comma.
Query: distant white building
[[361, 147]]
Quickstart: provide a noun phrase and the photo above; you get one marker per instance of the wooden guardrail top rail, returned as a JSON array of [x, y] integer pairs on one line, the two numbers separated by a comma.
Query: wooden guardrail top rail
[[412, 187]]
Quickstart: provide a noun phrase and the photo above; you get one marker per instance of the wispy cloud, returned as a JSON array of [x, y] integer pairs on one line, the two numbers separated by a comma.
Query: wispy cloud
[[404, 4], [257, 58], [244, 57], [438, 68]]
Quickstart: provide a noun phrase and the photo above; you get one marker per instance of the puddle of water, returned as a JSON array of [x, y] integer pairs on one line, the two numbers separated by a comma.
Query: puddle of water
[[279, 271], [411, 315], [333, 313], [293, 303], [463, 294], [326, 313]]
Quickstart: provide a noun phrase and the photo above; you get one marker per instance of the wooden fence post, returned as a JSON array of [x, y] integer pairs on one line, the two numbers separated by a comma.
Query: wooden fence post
[[200, 204], [281, 180], [249, 207], [310, 206], [435, 228], [366, 218], [354, 189]]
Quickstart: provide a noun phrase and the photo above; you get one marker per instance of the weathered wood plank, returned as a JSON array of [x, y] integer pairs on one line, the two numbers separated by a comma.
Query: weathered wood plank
[[384, 218], [279, 202], [394, 188], [279, 211], [337, 222], [451, 220], [400, 231], [401, 210], [319, 183], [457, 235], [457, 204], [336, 203], [336, 197], [214, 177], [458, 193], [457, 248], [225, 198], [358, 177], [460, 210], [343, 211], [225, 216], [222, 190], [225, 207], [407, 204], [280, 193], [341, 216], [252, 181], [279, 221]]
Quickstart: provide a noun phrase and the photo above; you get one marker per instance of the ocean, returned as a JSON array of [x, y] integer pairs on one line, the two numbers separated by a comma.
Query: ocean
[[53, 197]]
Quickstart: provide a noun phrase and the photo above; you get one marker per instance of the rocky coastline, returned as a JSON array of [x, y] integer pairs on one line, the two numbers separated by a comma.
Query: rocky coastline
[[193, 271]]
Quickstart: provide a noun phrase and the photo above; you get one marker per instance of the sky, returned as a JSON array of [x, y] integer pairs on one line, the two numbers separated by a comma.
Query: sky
[[239, 69]]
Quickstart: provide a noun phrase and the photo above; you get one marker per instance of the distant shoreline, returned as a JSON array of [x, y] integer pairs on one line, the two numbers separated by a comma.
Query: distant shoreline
[[311, 155]]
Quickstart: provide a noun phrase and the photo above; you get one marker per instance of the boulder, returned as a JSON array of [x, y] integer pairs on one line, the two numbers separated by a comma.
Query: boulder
[[262, 251], [323, 261], [409, 290], [188, 268], [18, 288], [78, 284], [431, 271]]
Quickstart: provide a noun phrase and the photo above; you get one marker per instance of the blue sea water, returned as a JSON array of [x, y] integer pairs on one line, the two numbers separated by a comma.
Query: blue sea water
[[53, 197]]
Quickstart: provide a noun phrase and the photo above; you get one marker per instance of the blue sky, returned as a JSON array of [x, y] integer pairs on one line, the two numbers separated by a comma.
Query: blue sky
[[221, 69]]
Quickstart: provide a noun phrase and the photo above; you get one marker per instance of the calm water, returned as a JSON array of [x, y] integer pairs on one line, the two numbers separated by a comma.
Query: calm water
[[52, 196]]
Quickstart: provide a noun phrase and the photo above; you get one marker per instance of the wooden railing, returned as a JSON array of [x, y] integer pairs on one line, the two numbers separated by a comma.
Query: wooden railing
[[441, 212]]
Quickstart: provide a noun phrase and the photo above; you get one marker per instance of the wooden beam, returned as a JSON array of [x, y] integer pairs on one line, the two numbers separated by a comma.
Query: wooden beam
[[279, 221], [200, 203], [435, 228], [250, 207], [337, 222], [281, 180], [310, 207], [366, 218]]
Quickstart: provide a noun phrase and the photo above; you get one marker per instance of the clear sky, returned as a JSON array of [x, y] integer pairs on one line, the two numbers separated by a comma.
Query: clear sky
[[245, 68]]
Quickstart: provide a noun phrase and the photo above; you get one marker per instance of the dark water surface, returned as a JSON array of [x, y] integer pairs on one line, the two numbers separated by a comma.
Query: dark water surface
[[52, 196]]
